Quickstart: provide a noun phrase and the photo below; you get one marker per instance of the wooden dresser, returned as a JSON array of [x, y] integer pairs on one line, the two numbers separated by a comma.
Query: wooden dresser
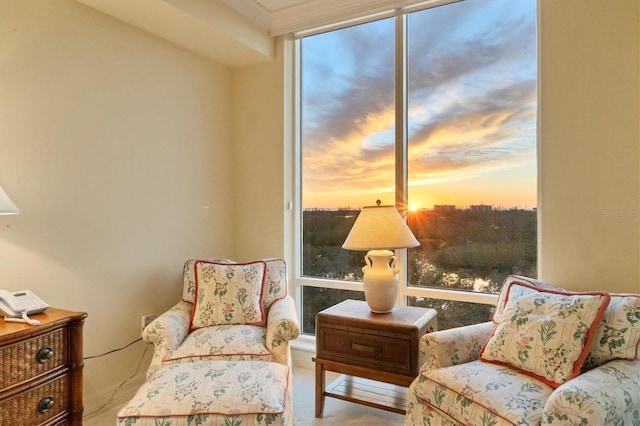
[[352, 340], [41, 370]]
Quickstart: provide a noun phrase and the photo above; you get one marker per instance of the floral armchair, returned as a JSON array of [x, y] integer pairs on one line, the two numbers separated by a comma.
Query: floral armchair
[[253, 320], [549, 357]]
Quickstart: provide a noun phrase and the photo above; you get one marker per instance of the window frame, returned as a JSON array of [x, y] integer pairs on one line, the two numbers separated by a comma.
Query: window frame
[[401, 173]]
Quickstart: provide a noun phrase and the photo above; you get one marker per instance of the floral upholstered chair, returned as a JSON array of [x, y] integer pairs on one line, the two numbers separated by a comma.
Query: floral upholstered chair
[[549, 357], [229, 311], [221, 354]]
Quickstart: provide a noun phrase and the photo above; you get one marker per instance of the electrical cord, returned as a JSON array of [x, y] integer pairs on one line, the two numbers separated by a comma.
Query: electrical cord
[[113, 350], [115, 392]]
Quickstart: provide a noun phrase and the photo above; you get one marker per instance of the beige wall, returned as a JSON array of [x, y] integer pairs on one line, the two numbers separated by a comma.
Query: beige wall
[[259, 134], [589, 144], [116, 146]]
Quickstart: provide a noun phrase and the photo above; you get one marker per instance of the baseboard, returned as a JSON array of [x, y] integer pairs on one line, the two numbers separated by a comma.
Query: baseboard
[[302, 352], [113, 396]]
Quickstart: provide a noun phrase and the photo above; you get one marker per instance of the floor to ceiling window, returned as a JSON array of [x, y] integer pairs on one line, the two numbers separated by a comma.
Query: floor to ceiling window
[[433, 111]]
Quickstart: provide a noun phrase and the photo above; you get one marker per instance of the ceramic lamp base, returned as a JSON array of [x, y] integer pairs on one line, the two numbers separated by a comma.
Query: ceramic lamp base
[[380, 280]]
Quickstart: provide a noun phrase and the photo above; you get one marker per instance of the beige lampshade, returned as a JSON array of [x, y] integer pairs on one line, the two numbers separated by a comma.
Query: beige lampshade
[[6, 205], [379, 228]]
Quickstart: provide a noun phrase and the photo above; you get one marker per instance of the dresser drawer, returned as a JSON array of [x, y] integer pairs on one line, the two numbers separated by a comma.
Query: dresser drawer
[[32, 357], [358, 346], [36, 405]]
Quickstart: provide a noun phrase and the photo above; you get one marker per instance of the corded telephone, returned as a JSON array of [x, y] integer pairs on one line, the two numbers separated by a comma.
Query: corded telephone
[[17, 306]]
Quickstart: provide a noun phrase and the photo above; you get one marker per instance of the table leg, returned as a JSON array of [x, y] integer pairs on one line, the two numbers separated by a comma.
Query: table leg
[[319, 389]]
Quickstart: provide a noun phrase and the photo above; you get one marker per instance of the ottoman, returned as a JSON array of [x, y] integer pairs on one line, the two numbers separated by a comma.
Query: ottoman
[[237, 393]]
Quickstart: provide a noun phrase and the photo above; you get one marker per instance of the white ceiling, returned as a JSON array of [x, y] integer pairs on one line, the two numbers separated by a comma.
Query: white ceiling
[[237, 32]]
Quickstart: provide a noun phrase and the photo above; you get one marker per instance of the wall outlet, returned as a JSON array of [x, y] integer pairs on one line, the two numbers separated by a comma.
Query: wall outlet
[[145, 320]]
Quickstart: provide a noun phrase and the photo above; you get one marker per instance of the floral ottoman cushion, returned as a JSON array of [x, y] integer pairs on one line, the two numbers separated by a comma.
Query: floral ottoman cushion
[[241, 393]]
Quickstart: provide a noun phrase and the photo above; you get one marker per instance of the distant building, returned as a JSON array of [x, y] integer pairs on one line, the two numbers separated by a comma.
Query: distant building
[[480, 208], [444, 208]]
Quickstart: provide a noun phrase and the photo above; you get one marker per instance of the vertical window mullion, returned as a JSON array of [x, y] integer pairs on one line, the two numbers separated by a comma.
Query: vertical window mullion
[[297, 172], [401, 173]]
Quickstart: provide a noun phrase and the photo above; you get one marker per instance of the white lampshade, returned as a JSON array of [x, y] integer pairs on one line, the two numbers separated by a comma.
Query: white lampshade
[[6, 205], [379, 227]]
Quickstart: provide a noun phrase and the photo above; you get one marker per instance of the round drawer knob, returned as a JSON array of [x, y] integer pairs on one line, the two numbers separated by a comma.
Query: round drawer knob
[[45, 404], [44, 354]]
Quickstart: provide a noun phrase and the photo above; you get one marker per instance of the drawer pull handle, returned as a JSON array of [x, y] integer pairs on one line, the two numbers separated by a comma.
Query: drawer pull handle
[[45, 404], [370, 350], [44, 354]]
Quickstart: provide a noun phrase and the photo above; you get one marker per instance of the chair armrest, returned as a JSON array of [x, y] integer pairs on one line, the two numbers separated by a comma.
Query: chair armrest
[[456, 345], [170, 328], [282, 327], [282, 323], [167, 332], [606, 395]]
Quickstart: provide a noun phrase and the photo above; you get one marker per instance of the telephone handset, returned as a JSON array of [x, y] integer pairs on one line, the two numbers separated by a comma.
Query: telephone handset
[[17, 306]]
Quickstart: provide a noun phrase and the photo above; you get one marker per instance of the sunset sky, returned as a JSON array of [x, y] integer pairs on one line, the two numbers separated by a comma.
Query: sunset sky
[[472, 109]]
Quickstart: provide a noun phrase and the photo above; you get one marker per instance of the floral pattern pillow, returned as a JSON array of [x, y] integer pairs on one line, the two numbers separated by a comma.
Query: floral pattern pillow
[[274, 286], [618, 334], [228, 294], [516, 286], [546, 334]]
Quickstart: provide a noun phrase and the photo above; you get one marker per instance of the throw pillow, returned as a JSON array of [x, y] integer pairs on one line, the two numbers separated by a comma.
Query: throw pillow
[[511, 289], [228, 294], [189, 277], [618, 334], [546, 334]]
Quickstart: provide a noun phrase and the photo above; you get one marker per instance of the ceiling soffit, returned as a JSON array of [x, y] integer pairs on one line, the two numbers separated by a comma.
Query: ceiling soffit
[[206, 27]]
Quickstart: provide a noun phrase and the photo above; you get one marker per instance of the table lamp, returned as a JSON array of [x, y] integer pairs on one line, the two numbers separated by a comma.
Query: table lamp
[[380, 229], [6, 205]]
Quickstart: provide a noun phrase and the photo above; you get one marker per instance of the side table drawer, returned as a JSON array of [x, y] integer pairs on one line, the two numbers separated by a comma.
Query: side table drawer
[[37, 405], [32, 357], [366, 349]]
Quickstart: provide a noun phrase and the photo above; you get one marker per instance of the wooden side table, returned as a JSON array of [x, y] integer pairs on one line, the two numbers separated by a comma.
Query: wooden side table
[[41, 370], [352, 340]]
